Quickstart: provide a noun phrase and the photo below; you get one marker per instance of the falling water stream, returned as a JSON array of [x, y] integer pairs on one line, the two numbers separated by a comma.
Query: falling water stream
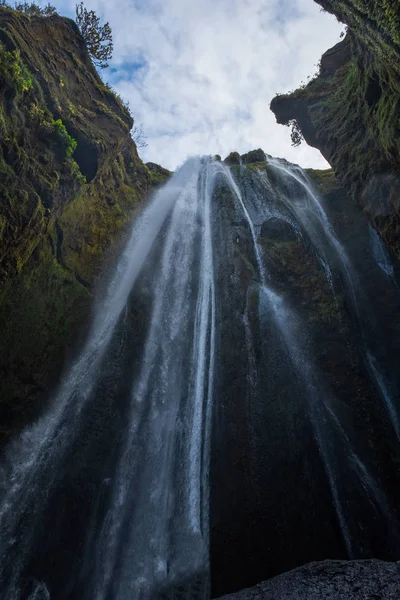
[[311, 216], [160, 472], [107, 495], [315, 211]]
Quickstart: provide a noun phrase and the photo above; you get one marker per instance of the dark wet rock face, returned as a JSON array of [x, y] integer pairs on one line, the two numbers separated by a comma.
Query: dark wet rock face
[[272, 507], [253, 157], [350, 111], [277, 229], [330, 580]]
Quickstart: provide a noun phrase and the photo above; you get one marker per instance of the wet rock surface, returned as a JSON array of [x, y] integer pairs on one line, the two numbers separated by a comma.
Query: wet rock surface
[[253, 156], [330, 580], [272, 507]]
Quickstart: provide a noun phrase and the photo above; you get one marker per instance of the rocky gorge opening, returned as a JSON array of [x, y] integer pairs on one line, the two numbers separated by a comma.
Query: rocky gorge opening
[[199, 383]]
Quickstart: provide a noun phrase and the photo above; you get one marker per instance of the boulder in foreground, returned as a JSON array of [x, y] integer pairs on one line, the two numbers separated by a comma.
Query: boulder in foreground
[[330, 580]]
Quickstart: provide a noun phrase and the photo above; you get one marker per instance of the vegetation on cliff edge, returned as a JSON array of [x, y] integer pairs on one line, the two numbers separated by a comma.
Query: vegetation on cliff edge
[[70, 180], [351, 110]]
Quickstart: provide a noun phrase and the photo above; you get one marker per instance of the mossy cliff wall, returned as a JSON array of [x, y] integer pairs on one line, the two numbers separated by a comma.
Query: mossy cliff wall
[[70, 179], [351, 110]]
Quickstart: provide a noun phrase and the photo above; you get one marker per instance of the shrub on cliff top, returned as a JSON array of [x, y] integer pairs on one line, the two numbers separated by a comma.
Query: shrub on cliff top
[[31, 8], [98, 37], [34, 10]]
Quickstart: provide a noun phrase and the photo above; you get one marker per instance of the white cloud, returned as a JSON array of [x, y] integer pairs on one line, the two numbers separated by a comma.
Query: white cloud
[[210, 69]]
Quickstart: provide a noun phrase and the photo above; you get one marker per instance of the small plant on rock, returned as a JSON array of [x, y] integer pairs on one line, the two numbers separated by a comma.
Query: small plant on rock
[[13, 70], [69, 141], [296, 134]]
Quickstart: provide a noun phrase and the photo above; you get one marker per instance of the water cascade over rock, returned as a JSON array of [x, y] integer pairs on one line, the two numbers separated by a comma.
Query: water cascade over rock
[[234, 411]]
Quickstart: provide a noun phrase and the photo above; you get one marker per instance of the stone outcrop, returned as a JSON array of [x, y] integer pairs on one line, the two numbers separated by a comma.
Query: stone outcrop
[[351, 110], [232, 159], [253, 156]]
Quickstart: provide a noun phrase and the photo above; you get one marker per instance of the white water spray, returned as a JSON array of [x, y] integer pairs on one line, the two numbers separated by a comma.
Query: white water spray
[[156, 526]]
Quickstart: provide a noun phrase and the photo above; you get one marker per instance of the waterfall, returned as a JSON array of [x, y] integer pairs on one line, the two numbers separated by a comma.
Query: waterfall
[[380, 253], [204, 416], [279, 193], [157, 493], [360, 301], [319, 411]]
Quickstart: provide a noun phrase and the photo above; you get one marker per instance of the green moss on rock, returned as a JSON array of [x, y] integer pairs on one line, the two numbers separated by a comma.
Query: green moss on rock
[[232, 159], [351, 110], [324, 179], [254, 156], [70, 182], [158, 175], [41, 315]]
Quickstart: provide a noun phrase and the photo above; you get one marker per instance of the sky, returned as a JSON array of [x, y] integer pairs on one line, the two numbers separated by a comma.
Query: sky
[[200, 74]]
